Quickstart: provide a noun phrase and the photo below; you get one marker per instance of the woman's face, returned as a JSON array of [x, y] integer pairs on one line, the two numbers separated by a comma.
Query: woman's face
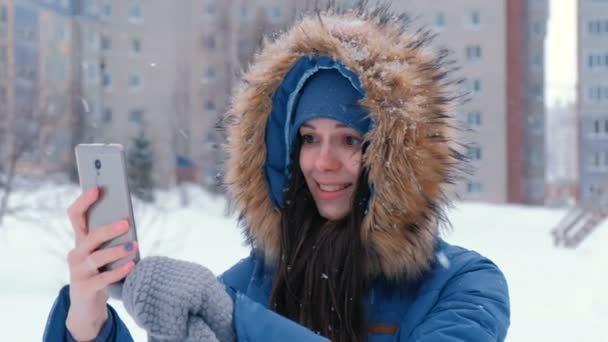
[[330, 159]]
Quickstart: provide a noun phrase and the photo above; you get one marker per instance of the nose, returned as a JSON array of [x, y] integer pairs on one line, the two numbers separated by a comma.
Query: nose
[[327, 159]]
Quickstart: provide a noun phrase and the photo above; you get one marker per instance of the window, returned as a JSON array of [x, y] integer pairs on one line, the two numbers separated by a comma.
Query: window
[[210, 105], [209, 42], [211, 7], [135, 82], [598, 93], [136, 116], [244, 11], [597, 60], [3, 14], [107, 80], [106, 116], [91, 72], [107, 10], [135, 47], [474, 86], [598, 161], [106, 43], [474, 18], [474, 152], [3, 96], [135, 12], [210, 73], [474, 119], [92, 8], [474, 187], [596, 126], [537, 60], [473, 52], [536, 123], [3, 56], [600, 128], [275, 13], [3, 66], [537, 27], [440, 20]]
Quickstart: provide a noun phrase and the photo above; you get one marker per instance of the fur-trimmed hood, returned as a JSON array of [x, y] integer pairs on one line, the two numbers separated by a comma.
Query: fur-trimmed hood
[[412, 158]]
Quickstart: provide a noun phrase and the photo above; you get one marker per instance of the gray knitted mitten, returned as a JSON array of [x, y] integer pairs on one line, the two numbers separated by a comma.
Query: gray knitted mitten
[[178, 301]]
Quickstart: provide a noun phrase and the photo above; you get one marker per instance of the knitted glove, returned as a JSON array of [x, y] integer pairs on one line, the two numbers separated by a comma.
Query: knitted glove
[[178, 301]]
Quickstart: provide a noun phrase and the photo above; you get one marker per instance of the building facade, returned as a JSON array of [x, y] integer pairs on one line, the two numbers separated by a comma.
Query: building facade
[[499, 45], [167, 72], [40, 61], [592, 94]]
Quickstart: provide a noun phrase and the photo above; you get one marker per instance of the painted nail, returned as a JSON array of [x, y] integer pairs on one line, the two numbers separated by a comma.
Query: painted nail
[[92, 193], [122, 226], [129, 246]]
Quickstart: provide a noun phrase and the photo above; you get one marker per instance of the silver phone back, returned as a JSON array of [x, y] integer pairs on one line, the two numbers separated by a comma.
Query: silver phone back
[[103, 166]]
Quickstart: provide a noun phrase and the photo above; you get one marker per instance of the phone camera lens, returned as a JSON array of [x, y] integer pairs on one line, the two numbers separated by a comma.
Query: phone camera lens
[[97, 164]]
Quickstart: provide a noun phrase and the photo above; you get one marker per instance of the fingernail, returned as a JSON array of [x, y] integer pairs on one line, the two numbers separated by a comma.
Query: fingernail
[[122, 226], [92, 193], [129, 246]]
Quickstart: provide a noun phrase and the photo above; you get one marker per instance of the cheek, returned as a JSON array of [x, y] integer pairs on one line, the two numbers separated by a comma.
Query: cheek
[[306, 161], [353, 164]]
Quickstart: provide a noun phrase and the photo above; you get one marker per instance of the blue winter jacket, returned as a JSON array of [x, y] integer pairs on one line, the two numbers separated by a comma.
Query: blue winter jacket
[[462, 298]]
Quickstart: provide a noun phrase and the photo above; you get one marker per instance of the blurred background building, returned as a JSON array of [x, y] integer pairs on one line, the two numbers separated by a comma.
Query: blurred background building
[[41, 54], [593, 96], [116, 70], [500, 46], [166, 72]]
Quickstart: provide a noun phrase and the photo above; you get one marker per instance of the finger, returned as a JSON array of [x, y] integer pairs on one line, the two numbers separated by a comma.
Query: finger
[[103, 234], [102, 280], [92, 263], [76, 260], [77, 212]]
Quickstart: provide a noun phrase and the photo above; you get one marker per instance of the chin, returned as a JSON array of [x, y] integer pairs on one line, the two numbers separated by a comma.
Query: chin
[[333, 215]]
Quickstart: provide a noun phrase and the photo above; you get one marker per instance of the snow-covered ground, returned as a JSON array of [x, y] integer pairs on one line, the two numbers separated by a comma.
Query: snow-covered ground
[[556, 294]]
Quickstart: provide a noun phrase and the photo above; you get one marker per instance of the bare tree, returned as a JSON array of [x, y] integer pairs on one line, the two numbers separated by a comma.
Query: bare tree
[[23, 146]]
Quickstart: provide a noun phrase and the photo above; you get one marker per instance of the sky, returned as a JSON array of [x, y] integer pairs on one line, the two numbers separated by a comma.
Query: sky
[[560, 71]]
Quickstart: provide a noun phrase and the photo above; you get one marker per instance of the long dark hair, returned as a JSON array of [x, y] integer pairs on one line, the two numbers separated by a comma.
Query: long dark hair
[[321, 276]]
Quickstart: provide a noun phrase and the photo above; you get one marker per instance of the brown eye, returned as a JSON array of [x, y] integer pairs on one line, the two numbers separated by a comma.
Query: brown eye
[[308, 139], [352, 140]]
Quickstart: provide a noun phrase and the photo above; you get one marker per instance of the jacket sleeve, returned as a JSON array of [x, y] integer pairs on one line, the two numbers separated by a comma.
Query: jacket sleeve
[[472, 307], [252, 321], [113, 330]]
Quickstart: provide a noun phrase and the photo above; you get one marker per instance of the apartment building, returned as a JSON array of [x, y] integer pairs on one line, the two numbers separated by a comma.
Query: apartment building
[[40, 61], [592, 96], [499, 45]]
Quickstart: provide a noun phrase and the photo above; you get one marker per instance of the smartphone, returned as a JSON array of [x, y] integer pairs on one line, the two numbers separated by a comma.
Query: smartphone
[[103, 166]]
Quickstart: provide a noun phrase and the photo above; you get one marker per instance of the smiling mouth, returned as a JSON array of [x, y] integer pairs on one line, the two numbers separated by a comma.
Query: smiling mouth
[[333, 188]]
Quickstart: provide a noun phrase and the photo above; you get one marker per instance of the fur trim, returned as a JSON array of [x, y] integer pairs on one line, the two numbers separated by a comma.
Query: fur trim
[[412, 156]]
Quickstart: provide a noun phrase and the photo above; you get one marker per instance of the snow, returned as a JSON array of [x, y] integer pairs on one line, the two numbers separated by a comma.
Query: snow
[[556, 294]]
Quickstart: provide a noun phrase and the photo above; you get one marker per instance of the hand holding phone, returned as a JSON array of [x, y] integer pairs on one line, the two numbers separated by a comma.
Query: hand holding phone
[[88, 286], [106, 248], [103, 166]]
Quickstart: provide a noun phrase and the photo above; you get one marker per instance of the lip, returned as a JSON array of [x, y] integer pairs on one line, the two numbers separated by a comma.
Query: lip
[[331, 195]]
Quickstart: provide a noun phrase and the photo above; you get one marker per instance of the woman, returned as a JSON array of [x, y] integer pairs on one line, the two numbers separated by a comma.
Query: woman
[[341, 154]]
